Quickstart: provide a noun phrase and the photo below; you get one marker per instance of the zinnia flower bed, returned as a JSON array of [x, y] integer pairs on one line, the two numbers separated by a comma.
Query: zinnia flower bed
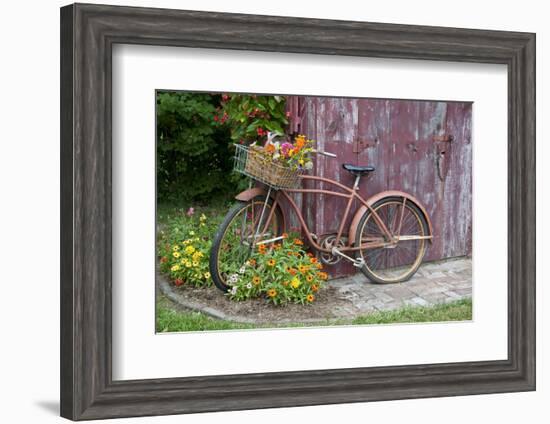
[[184, 252], [283, 273]]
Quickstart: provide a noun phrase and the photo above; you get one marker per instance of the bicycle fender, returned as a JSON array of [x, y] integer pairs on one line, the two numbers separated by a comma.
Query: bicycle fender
[[389, 193], [251, 193]]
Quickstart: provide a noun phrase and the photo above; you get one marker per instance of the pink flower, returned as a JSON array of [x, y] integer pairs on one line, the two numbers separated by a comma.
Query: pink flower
[[285, 148], [190, 211]]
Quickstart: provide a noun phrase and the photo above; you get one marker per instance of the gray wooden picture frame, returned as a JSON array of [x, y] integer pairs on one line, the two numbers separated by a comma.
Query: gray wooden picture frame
[[88, 33]]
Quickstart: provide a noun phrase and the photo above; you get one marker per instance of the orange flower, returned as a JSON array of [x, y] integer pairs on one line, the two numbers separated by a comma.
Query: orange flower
[[303, 268], [271, 262], [163, 260], [256, 280], [298, 242], [285, 235], [292, 271], [270, 148], [277, 246], [322, 275], [272, 292], [252, 262], [319, 266], [314, 287], [310, 298], [309, 278], [285, 283], [300, 142], [313, 260], [309, 254]]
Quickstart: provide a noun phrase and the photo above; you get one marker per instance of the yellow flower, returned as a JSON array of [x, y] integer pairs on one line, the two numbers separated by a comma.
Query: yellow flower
[[197, 255], [295, 283], [207, 275], [186, 242], [310, 298], [301, 161], [195, 264], [175, 248], [309, 278], [202, 218], [271, 262], [272, 292], [175, 268], [176, 254], [256, 280], [188, 264], [189, 250]]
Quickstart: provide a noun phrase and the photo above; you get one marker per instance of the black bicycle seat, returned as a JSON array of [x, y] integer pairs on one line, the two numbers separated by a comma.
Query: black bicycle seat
[[356, 169]]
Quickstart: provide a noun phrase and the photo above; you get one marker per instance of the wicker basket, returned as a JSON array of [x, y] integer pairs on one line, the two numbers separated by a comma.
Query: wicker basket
[[252, 162]]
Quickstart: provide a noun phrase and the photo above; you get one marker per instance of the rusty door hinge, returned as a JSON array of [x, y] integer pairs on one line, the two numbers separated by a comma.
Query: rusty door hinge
[[447, 138]]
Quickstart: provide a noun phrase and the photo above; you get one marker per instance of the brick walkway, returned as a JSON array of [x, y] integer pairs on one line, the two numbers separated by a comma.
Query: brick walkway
[[434, 282]]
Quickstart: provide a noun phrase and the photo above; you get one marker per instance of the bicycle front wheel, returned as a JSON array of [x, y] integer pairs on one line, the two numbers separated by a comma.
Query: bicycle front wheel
[[235, 239], [396, 262]]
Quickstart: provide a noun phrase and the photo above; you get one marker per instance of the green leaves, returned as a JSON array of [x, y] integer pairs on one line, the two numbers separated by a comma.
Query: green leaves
[[193, 155], [250, 117]]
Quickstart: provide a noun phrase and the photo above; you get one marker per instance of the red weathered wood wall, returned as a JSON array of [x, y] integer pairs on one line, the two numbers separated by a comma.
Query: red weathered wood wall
[[401, 138]]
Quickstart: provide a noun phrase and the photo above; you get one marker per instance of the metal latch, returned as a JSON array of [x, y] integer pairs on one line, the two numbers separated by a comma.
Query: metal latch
[[361, 144], [443, 142]]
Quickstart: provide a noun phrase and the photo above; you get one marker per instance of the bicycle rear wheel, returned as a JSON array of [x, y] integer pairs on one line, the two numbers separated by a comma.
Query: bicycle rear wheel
[[235, 238], [399, 261]]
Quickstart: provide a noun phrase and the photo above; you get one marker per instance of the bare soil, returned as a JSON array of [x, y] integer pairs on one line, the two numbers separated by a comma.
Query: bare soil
[[256, 310]]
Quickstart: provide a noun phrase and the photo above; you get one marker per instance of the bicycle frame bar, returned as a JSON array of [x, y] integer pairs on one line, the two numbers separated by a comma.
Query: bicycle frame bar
[[351, 195]]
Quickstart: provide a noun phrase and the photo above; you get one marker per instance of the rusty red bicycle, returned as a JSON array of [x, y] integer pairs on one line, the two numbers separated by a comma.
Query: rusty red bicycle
[[386, 240]]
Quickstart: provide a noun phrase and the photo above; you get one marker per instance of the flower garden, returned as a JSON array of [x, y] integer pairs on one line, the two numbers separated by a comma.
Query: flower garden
[[282, 273]]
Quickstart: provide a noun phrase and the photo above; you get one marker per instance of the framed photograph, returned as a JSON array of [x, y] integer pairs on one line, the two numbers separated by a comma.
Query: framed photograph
[[264, 211]]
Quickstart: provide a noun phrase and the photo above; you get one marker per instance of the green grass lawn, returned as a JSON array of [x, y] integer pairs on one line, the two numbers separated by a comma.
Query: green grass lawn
[[170, 320]]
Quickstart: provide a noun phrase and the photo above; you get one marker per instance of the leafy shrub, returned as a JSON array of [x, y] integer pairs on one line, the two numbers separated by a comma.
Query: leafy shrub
[[284, 274], [251, 117], [194, 155], [184, 249]]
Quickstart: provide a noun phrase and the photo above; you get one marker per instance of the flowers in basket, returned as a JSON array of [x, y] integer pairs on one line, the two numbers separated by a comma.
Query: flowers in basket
[[295, 156]]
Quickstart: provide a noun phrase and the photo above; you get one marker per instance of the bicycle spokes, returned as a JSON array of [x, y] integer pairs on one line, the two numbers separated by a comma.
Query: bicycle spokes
[[242, 234], [402, 252]]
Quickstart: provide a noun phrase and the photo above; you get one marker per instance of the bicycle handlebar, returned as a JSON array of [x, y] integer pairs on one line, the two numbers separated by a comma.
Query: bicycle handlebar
[[331, 155]]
